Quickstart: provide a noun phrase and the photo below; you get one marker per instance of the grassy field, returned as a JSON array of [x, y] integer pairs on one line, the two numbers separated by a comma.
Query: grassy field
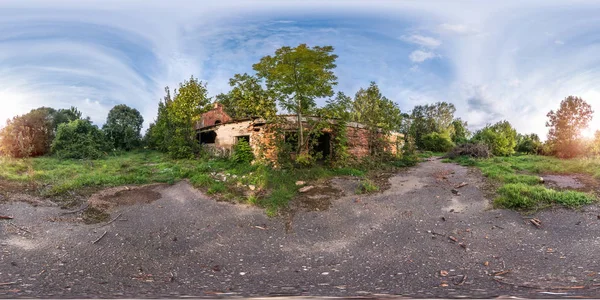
[[273, 189], [521, 187]]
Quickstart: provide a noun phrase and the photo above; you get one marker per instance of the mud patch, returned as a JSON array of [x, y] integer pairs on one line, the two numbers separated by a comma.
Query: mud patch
[[125, 196], [317, 199], [563, 181], [579, 182], [93, 215]]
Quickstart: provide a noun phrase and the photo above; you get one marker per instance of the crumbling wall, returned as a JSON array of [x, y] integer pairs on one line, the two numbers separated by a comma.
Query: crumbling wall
[[214, 116]]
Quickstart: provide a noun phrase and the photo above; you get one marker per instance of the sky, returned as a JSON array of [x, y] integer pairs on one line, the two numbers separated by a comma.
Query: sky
[[495, 60]]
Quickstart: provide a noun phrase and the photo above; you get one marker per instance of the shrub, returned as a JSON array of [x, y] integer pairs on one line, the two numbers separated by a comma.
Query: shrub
[[438, 142], [305, 160], [471, 150], [529, 143], [79, 139], [242, 152], [501, 138]]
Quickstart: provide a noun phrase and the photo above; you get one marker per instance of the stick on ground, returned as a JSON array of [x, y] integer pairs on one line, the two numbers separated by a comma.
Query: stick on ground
[[96, 241], [8, 283], [6, 217], [111, 221]]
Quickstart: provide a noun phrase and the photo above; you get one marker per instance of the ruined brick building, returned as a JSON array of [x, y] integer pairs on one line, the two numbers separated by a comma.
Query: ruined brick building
[[220, 132]]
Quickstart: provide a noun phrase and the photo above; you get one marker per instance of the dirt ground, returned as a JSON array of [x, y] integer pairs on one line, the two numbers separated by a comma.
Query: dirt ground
[[417, 238]]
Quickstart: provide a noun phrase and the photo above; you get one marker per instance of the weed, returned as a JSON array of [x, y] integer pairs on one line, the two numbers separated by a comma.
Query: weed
[[366, 186]]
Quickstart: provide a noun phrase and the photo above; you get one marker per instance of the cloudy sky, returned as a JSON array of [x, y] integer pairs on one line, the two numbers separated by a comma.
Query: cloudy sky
[[494, 60]]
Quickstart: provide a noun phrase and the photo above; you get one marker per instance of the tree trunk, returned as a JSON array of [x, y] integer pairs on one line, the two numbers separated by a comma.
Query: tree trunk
[[301, 135]]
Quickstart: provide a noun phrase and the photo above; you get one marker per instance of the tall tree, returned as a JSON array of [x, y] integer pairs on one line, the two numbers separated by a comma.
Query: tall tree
[[431, 118], [28, 135], [297, 76], [189, 102], [66, 115], [380, 114], [123, 126], [459, 131], [566, 125], [247, 98], [157, 134]]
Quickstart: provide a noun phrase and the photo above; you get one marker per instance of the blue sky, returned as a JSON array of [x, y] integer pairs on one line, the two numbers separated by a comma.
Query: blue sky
[[493, 59]]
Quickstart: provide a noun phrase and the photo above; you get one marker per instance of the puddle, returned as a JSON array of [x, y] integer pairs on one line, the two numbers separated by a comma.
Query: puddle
[[563, 181]]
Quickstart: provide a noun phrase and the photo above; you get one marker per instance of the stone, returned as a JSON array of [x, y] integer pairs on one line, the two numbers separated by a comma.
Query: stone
[[306, 189], [300, 183], [252, 187]]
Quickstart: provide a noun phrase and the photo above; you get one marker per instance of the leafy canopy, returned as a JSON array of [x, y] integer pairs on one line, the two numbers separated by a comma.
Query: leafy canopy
[[566, 125], [79, 139], [501, 138], [247, 98], [295, 77], [123, 127], [31, 134]]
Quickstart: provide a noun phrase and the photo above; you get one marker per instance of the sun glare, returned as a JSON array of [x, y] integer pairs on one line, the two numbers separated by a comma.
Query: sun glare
[[10, 105]]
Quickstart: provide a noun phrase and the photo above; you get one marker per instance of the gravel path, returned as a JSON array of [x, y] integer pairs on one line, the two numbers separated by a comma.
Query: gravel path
[[398, 242]]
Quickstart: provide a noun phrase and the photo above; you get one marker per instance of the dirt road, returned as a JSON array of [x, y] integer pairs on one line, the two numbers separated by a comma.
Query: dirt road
[[415, 239]]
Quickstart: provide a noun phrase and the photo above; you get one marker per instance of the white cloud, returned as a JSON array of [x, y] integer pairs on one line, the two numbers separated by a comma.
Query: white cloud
[[559, 42], [419, 56], [424, 41], [460, 29]]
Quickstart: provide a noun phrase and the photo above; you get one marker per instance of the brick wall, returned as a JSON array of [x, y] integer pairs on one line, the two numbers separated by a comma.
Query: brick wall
[[211, 117]]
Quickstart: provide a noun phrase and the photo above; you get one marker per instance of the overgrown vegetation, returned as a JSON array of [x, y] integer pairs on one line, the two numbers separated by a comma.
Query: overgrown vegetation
[[235, 181], [521, 187]]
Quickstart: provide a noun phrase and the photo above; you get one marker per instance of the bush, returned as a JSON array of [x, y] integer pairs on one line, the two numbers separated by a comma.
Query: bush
[[501, 138], [305, 160], [79, 139], [471, 150], [366, 186], [242, 152], [438, 142]]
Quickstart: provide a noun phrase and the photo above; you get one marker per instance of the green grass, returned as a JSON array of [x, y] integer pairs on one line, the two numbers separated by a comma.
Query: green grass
[[520, 178], [274, 188], [366, 186]]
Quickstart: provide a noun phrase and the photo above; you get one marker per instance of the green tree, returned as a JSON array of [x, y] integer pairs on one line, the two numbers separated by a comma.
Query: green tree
[[566, 125], [157, 135], [460, 133], [63, 115], [501, 138], [378, 113], [123, 126], [426, 119], [438, 142], [28, 135], [297, 76], [247, 98], [79, 139], [529, 143], [189, 102]]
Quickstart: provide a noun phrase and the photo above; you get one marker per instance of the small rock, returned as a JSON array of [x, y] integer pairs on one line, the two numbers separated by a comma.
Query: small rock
[[306, 189], [542, 179], [242, 273], [443, 273], [455, 192], [252, 187], [300, 183]]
